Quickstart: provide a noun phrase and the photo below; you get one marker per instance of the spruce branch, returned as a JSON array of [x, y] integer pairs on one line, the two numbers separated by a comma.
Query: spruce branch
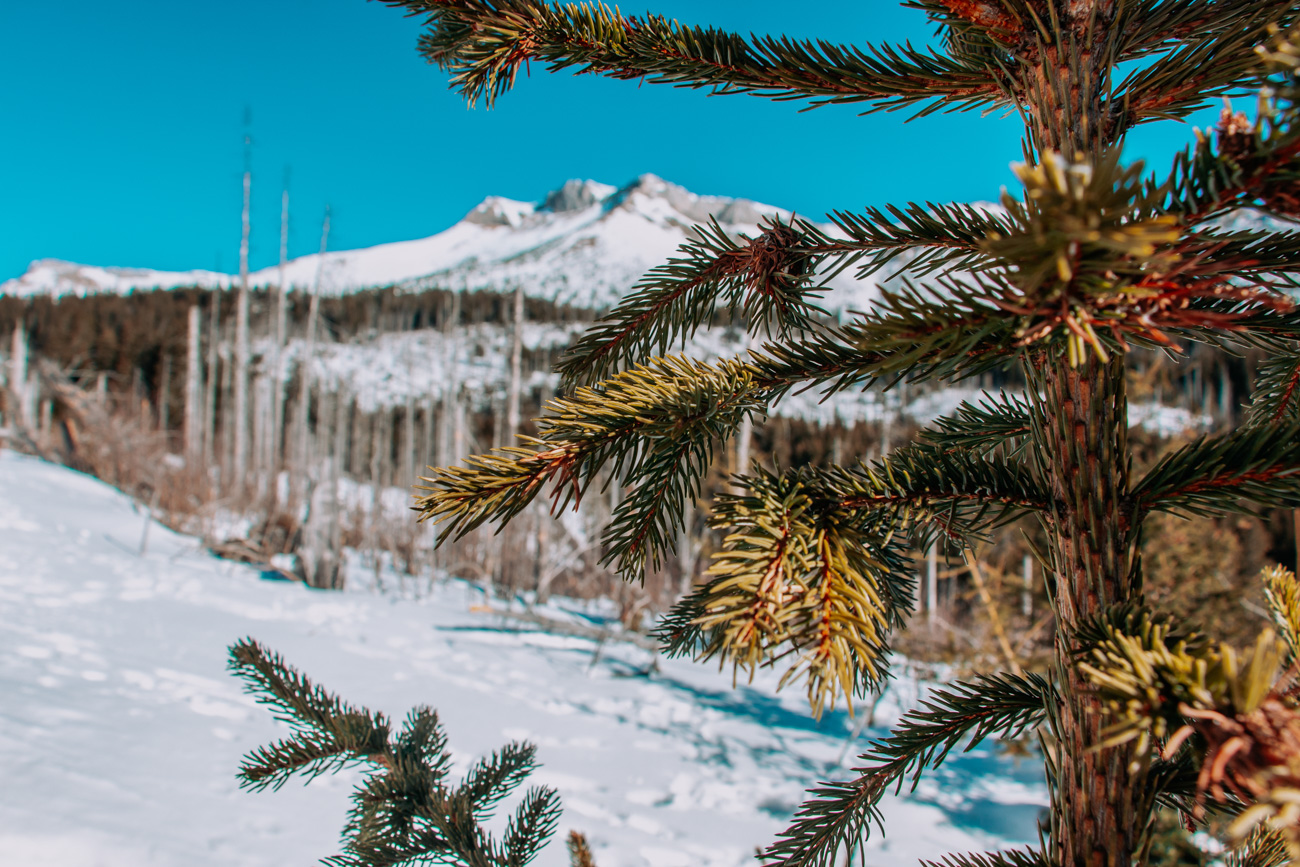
[[959, 494], [531, 826], [1233, 326], [1173, 780], [1200, 70], [767, 279], [1005, 858], [993, 423], [403, 812], [1258, 255], [328, 734], [796, 579], [812, 566], [995, 18], [1276, 400], [840, 815], [771, 280], [1243, 164], [1263, 848], [423, 740], [1092, 258], [1235, 711], [484, 44], [947, 331], [655, 426], [941, 237], [1147, 27], [495, 776], [1216, 475], [579, 851], [1282, 591]]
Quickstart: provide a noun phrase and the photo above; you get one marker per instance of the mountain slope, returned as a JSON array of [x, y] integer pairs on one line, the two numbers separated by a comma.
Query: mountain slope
[[586, 244]]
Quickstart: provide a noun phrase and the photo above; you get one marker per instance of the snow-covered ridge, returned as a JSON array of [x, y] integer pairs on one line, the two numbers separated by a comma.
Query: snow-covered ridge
[[585, 244]]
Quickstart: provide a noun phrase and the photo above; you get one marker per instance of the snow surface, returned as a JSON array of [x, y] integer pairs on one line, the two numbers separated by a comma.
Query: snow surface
[[120, 731]]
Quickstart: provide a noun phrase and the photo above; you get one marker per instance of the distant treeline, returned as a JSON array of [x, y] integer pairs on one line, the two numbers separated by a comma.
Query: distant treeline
[[130, 336]]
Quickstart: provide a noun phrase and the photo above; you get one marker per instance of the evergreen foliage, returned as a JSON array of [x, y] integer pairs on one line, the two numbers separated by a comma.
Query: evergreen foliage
[[406, 811], [1092, 260]]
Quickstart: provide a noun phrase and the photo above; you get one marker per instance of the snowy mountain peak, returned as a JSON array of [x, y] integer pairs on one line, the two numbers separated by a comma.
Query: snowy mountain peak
[[585, 244], [57, 277], [499, 211], [577, 196]]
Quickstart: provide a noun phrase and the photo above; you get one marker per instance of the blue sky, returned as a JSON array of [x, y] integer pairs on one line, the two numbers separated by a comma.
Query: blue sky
[[123, 130]]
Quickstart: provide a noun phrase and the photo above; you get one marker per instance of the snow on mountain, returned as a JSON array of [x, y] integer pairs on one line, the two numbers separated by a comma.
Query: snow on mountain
[[120, 732], [585, 244], [56, 277]]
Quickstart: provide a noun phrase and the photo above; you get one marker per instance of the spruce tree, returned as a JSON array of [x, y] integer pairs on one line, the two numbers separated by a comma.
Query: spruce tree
[[1091, 261]]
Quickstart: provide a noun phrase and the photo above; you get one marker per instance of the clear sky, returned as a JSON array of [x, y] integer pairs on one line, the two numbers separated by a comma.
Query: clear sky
[[122, 129]]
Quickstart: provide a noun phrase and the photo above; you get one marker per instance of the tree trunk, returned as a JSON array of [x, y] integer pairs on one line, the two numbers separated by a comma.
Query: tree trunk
[[931, 582], [193, 400], [281, 336], [1101, 804], [309, 353], [210, 401], [516, 369], [164, 399], [1100, 801], [21, 416], [239, 459], [408, 443], [343, 410], [449, 451]]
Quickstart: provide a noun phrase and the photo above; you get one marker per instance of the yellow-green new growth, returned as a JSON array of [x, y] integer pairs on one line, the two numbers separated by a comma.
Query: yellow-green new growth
[[1282, 591]]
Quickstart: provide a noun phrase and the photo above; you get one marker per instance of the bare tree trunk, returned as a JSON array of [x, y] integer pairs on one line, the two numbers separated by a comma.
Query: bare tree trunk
[[459, 435], [516, 369], [309, 346], [931, 582], [429, 454], [886, 423], [18, 386], [358, 457], [193, 401], [224, 431], [47, 419], [744, 435], [449, 449], [264, 438], [281, 336], [380, 448], [210, 402], [686, 549], [408, 442], [343, 410], [165, 399], [240, 398]]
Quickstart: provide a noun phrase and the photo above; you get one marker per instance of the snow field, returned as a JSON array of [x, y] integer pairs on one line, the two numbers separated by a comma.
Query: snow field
[[120, 731]]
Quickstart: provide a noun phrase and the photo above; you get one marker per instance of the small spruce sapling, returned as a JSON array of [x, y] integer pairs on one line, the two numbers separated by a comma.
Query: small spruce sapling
[[406, 811], [1090, 261]]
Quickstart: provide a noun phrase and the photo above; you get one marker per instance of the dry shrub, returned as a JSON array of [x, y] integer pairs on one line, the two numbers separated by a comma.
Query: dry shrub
[[1205, 571]]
